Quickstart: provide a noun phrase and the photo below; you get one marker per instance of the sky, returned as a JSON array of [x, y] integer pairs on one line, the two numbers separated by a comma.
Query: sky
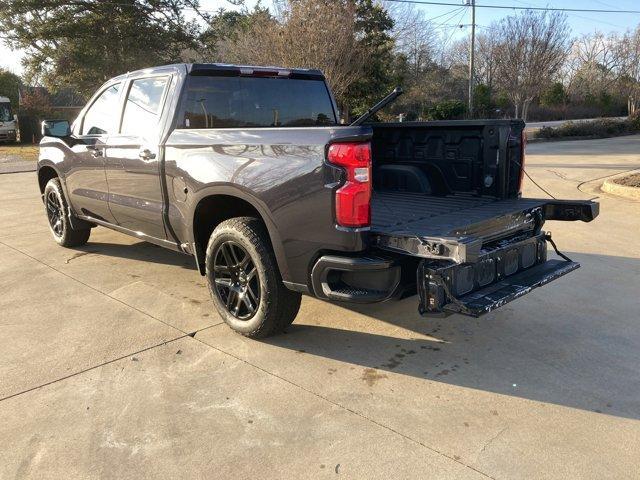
[[450, 17]]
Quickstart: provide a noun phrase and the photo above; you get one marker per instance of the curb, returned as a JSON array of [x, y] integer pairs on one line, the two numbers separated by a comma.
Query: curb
[[614, 188]]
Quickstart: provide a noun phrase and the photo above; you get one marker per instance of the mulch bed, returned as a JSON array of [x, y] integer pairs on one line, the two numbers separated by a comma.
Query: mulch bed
[[632, 180]]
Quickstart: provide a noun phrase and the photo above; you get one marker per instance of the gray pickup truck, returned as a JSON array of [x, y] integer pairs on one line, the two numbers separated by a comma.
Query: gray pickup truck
[[248, 170]]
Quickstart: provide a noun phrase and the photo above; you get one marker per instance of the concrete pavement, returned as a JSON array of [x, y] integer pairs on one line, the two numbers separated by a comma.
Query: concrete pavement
[[113, 363]]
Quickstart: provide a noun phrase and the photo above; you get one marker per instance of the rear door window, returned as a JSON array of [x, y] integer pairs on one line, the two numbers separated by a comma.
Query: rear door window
[[227, 102], [101, 116], [143, 106]]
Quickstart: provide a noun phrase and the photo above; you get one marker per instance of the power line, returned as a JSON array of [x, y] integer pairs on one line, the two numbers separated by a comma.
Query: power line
[[507, 7], [444, 45], [450, 17], [445, 14], [599, 20]]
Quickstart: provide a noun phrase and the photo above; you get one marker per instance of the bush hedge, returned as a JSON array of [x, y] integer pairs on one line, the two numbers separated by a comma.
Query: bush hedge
[[600, 128]]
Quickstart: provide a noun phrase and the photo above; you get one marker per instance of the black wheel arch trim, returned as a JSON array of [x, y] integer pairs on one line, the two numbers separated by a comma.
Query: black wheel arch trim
[[237, 191]]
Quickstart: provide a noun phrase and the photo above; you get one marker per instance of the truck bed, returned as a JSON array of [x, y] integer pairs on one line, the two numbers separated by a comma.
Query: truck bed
[[451, 227]]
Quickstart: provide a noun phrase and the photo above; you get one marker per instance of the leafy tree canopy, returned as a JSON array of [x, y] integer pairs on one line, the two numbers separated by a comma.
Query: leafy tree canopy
[[9, 85], [82, 43]]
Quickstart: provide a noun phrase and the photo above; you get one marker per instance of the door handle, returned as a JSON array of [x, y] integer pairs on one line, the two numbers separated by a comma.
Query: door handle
[[95, 151], [146, 154]]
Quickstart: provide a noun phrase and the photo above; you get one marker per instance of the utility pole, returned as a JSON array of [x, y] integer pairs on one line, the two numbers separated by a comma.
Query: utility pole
[[472, 53]]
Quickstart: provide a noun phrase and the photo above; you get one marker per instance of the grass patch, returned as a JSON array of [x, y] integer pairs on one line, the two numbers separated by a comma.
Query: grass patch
[[600, 128], [25, 152]]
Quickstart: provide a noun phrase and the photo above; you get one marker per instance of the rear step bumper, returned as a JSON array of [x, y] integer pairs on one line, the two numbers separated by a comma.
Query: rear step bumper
[[501, 274], [355, 279]]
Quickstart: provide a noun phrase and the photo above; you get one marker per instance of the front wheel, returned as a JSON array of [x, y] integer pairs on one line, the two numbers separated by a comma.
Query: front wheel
[[244, 280], [58, 215]]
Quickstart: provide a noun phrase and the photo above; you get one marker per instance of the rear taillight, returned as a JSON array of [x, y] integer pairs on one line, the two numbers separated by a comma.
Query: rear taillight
[[353, 199], [523, 146]]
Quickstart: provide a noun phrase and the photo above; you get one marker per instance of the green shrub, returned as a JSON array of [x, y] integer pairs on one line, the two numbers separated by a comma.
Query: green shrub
[[555, 96], [634, 122], [602, 127], [446, 110]]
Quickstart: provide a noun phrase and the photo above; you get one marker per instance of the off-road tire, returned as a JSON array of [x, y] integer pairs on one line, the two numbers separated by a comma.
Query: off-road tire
[[63, 232], [277, 306]]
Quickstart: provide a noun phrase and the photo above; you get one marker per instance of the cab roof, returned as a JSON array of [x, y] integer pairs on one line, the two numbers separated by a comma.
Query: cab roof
[[226, 69]]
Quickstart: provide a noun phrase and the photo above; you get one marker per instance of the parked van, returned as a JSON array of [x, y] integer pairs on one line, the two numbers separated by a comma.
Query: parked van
[[7, 121]]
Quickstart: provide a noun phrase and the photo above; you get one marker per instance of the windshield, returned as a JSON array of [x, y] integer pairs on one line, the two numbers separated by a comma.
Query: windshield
[[227, 102], [5, 112]]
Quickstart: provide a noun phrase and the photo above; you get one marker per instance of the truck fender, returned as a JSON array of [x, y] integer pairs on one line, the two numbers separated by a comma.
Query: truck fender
[[257, 204]]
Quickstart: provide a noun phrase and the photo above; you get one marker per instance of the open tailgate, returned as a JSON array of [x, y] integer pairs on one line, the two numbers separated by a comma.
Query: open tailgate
[[456, 228], [502, 273], [477, 254]]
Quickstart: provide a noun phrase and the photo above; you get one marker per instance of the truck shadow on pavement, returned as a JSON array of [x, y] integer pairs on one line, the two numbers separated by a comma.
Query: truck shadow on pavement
[[574, 343], [143, 251]]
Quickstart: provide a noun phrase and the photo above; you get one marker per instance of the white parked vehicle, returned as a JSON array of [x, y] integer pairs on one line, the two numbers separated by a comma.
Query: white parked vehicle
[[7, 121]]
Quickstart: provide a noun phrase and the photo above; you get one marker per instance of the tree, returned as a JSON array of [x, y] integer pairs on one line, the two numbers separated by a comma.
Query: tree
[[373, 27], [627, 53], [319, 34], [554, 96], [428, 74], [9, 85], [532, 47], [224, 28], [82, 43], [36, 102], [482, 100]]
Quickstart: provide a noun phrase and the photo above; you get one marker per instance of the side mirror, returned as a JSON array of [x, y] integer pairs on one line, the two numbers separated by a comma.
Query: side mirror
[[55, 128]]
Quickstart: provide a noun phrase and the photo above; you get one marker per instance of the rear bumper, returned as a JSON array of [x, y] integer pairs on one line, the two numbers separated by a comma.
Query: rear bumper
[[503, 272], [366, 279]]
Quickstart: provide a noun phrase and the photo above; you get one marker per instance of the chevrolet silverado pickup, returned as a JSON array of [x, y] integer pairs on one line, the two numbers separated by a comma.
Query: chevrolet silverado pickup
[[249, 171]]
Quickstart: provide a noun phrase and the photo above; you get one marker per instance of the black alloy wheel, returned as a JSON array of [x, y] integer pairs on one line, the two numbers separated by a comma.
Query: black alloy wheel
[[59, 217], [55, 213], [236, 280]]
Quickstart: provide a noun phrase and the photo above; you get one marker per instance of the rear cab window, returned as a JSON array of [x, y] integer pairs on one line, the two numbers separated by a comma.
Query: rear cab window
[[255, 102]]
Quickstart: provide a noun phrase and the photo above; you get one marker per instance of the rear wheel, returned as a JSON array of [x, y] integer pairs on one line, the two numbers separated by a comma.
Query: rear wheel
[[245, 282], [58, 215]]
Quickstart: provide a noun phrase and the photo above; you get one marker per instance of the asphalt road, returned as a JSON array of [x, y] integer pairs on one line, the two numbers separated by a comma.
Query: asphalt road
[[113, 363]]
